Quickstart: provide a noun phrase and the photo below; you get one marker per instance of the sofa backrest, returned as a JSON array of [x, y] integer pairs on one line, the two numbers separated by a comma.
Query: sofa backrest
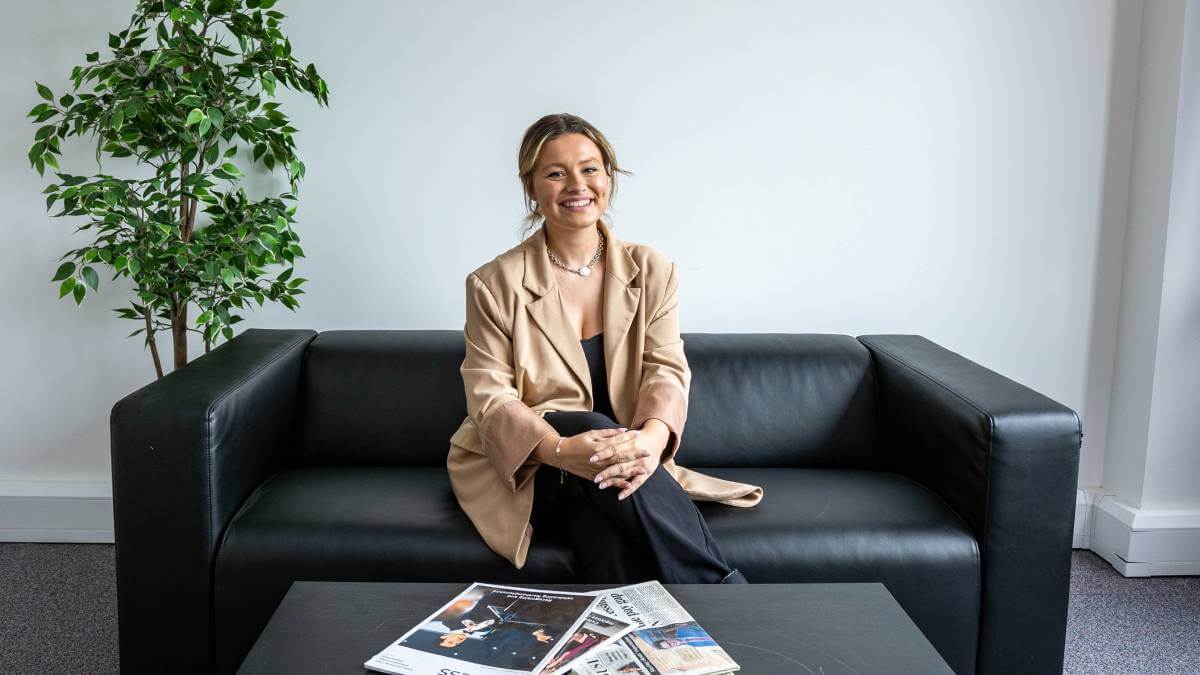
[[381, 397], [778, 399], [759, 399]]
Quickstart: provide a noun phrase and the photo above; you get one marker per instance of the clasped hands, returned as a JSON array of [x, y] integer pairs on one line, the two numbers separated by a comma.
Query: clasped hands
[[622, 458]]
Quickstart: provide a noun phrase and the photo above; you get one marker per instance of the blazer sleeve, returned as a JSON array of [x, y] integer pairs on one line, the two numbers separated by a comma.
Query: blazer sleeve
[[508, 428], [666, 378]]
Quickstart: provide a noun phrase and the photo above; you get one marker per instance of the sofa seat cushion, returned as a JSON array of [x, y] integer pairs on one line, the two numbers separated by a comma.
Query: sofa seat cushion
[[361, 523], [845, 525]]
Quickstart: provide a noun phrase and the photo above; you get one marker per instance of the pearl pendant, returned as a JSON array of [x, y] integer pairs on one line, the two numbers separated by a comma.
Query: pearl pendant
[[584, 271]]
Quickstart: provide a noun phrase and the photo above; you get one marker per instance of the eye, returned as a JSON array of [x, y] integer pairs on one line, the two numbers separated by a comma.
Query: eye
[[591, 168]]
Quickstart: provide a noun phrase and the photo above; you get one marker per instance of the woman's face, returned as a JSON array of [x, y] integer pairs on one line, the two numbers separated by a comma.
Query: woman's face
[[569, 170]]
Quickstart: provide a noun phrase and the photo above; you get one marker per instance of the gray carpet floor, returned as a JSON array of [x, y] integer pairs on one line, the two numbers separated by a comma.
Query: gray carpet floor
[[58, 614]]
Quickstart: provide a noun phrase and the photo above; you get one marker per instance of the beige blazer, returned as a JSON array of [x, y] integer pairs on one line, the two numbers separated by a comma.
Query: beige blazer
[[524, 359]]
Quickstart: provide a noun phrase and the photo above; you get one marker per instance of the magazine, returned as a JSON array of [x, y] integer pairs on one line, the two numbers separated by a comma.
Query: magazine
[[491, 630], [597, 632], [666, 638]]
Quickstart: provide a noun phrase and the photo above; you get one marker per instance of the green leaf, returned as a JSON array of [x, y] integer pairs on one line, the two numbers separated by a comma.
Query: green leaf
[[78, 290], [154, 59], [92, 57], [118, 119], [194, 116], [210, 156], [64, 270], [191, 101], [92, 279], [229, 277], [205, 125], [113, 41], [44, 91], [66, 287], [217, 117], [204, 318], [134, 266], [280, 223], [231, 169]]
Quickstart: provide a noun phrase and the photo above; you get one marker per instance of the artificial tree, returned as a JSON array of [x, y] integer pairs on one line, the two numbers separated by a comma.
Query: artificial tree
[[183, 95]]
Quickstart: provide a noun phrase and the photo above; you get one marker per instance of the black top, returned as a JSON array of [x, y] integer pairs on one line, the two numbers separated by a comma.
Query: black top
[[593, 349]]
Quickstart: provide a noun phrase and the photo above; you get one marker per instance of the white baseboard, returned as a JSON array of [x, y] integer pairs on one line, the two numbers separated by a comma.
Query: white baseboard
[[57, 511], [1137, 542]]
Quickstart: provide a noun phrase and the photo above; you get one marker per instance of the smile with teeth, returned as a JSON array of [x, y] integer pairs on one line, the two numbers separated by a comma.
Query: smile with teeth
[[577, 203]]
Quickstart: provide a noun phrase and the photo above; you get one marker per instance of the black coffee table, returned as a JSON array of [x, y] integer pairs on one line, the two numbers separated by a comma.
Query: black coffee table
[[332, 627]]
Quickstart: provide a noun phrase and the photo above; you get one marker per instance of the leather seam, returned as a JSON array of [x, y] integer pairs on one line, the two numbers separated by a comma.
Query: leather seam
[[932, 379]]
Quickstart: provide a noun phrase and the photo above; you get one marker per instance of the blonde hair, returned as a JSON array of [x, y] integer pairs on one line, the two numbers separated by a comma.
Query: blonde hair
[[546, 129]]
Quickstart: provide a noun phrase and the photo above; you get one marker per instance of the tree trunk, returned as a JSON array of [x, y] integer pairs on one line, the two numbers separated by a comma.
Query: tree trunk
[[179, 334]]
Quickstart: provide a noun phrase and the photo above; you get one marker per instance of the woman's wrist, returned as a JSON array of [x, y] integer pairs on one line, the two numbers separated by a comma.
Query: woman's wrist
[[656, 427], [544, 452]]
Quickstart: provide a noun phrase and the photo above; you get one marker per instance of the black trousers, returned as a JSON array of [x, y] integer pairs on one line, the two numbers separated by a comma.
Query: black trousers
[[655, 533]]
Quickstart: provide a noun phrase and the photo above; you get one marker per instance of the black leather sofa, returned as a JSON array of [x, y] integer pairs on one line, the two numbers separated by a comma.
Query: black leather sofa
[[286, 455]]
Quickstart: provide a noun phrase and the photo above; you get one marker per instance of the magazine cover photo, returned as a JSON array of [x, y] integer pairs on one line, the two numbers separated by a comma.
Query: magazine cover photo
[[497, 628]]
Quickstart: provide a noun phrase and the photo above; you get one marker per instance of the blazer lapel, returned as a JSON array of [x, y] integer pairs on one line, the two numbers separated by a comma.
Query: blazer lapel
[[620, 306], [621, 301], [548, 311]]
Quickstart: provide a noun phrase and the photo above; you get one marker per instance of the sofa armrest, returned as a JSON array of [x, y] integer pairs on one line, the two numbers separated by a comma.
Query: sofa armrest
[[187, 449], [1007, 459]]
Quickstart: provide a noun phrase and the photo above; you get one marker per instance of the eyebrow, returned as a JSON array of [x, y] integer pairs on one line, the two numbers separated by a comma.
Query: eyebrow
[[582, 161]]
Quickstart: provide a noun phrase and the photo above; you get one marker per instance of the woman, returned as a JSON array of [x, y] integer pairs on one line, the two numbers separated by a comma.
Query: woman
[[577, 385]]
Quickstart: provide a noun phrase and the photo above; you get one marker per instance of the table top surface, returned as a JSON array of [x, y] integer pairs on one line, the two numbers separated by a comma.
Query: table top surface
[[333, 626]]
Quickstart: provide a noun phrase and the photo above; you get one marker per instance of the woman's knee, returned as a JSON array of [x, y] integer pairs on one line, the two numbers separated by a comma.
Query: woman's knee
[[571, 422], [661, 484]]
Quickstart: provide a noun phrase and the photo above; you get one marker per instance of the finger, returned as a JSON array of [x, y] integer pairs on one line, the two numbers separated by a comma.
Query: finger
[[601, 434], [633, 486], [619, 483], [616, 444], [622, 469]]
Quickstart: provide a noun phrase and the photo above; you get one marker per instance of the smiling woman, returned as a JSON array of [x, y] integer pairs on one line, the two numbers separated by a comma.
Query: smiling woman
[[576, 382]]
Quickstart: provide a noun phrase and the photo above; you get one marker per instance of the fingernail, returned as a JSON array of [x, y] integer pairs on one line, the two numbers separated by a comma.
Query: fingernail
[[637, 432], [597, 479], [622, 429], [593, 458], [603, 485], [620, 497]]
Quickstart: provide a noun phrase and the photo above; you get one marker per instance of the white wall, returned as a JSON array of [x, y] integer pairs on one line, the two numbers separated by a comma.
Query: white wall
[[920, 167]]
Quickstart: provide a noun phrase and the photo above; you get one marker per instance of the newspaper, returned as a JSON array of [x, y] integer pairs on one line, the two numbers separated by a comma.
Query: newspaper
[[490, 630], [666, 639]]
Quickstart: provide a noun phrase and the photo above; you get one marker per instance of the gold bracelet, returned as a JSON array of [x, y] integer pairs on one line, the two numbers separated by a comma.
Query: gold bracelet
[[562, 475]]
